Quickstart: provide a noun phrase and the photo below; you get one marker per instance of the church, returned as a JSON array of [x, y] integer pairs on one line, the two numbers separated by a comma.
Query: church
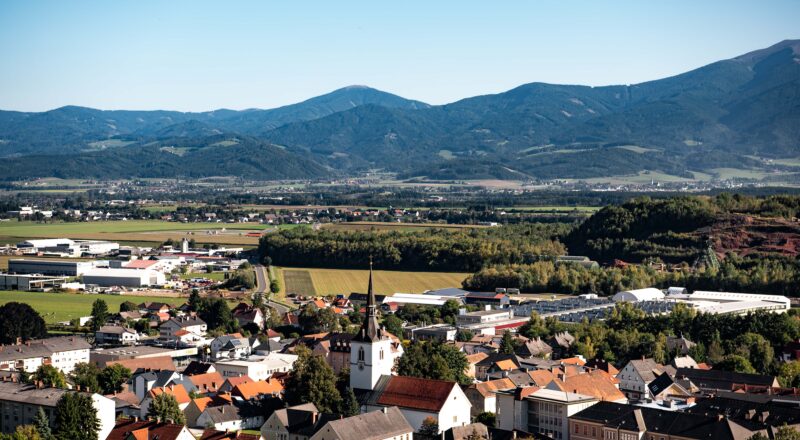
[[372, 360]]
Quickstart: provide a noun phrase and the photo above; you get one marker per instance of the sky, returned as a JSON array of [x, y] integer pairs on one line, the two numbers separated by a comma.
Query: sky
[[202, 55]]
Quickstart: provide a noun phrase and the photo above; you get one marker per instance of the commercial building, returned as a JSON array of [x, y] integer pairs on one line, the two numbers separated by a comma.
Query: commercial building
[[257, 367], [540, 411], [484, 317], [402, 299], [67, 247], [29, 282], [49, 267], [123, 277]]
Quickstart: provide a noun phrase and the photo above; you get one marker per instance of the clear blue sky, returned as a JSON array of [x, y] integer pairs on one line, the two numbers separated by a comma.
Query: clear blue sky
[[201, 55]]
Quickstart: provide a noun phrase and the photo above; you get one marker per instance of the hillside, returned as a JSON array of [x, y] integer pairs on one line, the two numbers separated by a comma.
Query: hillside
[[738, 113]]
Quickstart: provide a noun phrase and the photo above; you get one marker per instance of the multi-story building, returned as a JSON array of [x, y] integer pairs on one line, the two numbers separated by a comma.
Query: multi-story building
[[61, 352], [540, 411]]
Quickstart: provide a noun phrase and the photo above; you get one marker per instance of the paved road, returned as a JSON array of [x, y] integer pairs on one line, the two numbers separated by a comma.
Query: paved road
[[262, 286]]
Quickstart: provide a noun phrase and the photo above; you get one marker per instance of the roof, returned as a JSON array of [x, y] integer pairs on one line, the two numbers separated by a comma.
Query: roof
[[187, 321], [648, 369], [375, 425], [723, 380], [197, 367], [467, 432], [601, 364], [178, 391], [237, 380], [412, 392], [370, 330], [541, 378], [596, 383], [140, 264], [477, 357], [222, 413], [42, 348], [251, 390], [153, 363], [18, 392], [212, 434], [207, 382], [487, 388], [145, 429], [668, 423], [115, 330], [636, 295]]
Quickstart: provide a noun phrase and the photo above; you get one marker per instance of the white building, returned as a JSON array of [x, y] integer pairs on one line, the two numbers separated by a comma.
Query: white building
[[116, 335], [403, 299], [419, 398], [257, 367], [46, 266], [635, 377], [188, 330], [540, 411], [19, 404], [123, 277], [370, 349], [61, 352], [638, 295]]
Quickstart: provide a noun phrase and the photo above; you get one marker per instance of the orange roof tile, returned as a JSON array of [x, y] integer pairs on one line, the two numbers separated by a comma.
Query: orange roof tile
[[177, 391], [541, 377], [486, 388], [415, 393], [153, 364], [207, 382], [252, 390], [573, 361], [596, 383], [477, 357], [506, 365]]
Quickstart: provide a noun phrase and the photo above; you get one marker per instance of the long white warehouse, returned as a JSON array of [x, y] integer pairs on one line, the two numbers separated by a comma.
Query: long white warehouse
[[49, 267], [123, 277]]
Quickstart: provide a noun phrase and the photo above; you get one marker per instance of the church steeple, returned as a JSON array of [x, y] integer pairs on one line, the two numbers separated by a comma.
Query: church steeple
[[370, 331]]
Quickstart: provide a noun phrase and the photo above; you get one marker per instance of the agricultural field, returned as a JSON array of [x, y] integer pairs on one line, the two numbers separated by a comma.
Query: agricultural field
[[143, 231], [57, 307], [313, 281], [386, 226]]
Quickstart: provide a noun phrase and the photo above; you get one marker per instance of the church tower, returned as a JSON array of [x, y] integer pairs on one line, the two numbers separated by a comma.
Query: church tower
[[370, 349]]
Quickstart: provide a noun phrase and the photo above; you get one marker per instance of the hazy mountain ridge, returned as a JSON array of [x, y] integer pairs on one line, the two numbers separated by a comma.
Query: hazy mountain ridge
[[713, 116]]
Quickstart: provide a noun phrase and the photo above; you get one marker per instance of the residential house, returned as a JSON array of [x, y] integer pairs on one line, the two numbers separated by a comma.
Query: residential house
[[233, 346], [596, 383], [61, 352], [183, 331], [298, 422], [496, 363], [482, 395], [213, 434], [419, 399], [472, 361], [232, 382], [246, 314], [207, 383], [179, 392], [134, 429], [637, 375], [19, 404], [116, 335], [534, 348], [258, 389], [539, 411], [669, 393], [561, 343], [679, 345], [386, 424]]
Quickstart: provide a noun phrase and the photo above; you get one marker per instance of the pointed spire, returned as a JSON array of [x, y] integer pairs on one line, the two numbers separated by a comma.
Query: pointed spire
[[370, 331]]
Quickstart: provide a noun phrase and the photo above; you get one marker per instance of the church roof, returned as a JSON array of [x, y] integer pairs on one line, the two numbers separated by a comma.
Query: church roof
[[370, 330]]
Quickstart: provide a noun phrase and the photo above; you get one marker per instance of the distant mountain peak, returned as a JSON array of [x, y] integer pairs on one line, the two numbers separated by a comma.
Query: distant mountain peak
[[758, 55]]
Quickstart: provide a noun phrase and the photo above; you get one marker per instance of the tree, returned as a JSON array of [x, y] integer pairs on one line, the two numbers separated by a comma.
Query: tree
[[756, 349], [783, 433], [349, 406], [394, 325], [128, 306], [76, 418], [195, 301], [715, 352], [464, 335], [507, 344], [488, 418], [99, 315], [313, 380], [112, 378], [432, 360], [27, 323], [274, 286], [42, 425], [217, 315], [736, 363], [789, 374], [535, 327], [165, 407], [50, 377], [84, 375], [430, 427]]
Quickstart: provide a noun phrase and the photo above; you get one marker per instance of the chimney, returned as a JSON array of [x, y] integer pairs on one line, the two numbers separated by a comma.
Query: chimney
[[385, 410]]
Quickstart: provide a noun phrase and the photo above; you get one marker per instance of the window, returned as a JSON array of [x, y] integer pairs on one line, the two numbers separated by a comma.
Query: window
[[381, 354], [361, 354]]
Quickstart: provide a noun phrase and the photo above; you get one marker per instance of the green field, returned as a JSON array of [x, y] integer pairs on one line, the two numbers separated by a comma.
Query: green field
[[142, 231], [56, 307], [312, 281]]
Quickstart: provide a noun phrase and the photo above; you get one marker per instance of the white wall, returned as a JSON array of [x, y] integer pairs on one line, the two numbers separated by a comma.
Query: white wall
[[106, 413]]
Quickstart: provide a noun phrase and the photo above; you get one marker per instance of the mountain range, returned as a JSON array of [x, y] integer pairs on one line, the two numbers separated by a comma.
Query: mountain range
[[742, 112]]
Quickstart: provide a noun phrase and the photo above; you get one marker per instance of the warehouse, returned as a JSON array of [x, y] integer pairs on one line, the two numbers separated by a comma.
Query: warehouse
[[49, 267], [123, 277], [29, 282]]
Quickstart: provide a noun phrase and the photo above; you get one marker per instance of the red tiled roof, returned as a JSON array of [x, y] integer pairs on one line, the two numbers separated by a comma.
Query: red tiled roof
[[177, 391], [140, 264], [208, 382], [238, 380], [251, 390], [416, 393], [153, 363], [144, 429]]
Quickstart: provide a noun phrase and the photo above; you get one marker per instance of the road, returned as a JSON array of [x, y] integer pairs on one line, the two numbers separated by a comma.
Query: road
[[262, 286]]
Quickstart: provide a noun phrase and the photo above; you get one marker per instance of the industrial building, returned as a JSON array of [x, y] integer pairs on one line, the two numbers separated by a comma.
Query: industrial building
[[67, 247], [29, 282], [49, 267], [402, 299], [123, 277]]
